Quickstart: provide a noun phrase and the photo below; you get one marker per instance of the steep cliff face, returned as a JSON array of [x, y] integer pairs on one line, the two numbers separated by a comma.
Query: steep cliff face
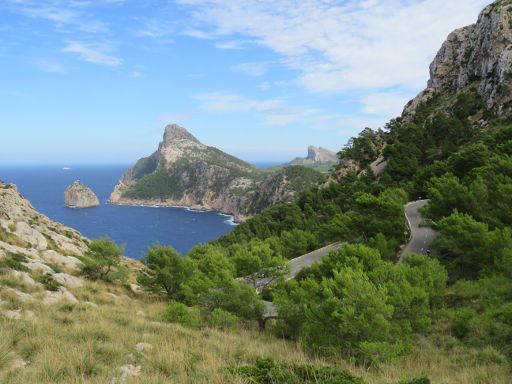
[[185, 172], [79, 195], [476, 58]]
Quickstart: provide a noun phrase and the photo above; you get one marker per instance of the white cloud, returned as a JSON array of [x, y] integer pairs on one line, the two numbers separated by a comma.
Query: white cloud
[[272, 111], [51, 12], [231, 44], [253, 69], [372, 44], [50, 66], [155, 29], [94, 26], [230, 102], [384, 103], [93, 53], [61, 12]]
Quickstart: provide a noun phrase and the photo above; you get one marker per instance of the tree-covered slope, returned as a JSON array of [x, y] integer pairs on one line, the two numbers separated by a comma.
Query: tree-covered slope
[[454, 147]]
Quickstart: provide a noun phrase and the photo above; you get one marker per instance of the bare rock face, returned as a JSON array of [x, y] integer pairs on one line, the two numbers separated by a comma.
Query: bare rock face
[[321, 155], [479, 56], [316, 155], [79, 195]]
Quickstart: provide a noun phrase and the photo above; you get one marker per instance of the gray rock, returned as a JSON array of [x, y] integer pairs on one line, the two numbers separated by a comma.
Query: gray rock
[[478, 55], [59, 296], [70, 262], [316, 155], [68, 280], [31, 235], [13, 315], [79, 195]]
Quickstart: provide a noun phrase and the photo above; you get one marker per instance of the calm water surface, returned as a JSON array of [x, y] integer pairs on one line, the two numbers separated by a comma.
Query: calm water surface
[[136, 227]]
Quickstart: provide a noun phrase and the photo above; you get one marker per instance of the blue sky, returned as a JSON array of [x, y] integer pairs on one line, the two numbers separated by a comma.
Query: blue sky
[[95, 82]]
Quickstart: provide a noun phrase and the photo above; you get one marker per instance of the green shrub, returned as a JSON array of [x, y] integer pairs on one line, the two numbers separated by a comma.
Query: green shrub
[[461, 323], [223, 319], [179, 313], [68, 307], [49, 282], [419, 380], [14, 261], [267, 371], [102, 258]]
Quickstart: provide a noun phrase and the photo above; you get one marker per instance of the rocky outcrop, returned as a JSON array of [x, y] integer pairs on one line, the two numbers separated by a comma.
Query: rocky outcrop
[[79, 195], [32, 247], [479, 57], [28, 231], [185, 172], [316, 155]]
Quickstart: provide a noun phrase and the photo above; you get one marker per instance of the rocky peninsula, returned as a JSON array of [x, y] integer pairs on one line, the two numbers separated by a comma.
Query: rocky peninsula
[[185, 172]]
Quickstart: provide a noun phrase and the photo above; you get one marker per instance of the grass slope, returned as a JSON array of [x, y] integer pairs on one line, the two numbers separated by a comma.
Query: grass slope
[[81, 343]]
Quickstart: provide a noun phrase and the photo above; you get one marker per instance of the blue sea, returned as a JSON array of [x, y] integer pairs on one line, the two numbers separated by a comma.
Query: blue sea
[[135, 227]]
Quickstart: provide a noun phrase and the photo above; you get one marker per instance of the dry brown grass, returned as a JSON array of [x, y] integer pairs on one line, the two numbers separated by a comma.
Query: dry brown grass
[[84, 344]]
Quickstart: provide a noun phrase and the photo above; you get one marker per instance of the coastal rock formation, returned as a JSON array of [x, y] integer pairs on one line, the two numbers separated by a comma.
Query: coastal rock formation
[[185, 172], [79, 195], [475, 58], [25, 230], [316, 155], [30, 246]]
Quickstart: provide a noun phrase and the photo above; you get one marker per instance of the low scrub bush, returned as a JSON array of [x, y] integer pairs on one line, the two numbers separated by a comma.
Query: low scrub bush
[[223, 319], [14, 261], [268, 371], [179, 313]]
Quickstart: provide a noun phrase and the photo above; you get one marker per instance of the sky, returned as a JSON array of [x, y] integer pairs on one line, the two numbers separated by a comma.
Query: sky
[[96, 81]]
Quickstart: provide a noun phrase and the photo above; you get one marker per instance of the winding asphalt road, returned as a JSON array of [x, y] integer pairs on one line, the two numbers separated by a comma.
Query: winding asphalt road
[[420, 241], [296, 265], [421, 237], [304, 261]]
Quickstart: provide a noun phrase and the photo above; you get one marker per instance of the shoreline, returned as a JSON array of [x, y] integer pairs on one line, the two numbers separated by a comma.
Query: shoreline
[[232, 219]]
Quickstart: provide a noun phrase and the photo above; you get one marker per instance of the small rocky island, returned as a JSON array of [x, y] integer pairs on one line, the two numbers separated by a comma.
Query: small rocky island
[[79, 195]]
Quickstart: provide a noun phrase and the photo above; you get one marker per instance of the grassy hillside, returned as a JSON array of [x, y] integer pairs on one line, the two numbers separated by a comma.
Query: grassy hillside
[[82, 343]]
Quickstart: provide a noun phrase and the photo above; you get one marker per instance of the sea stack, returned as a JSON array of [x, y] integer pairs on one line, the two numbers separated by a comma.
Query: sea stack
[[79, 195]]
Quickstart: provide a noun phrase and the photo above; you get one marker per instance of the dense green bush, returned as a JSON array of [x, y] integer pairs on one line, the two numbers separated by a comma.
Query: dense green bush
[[357, 305], [166, 271], [223, 319], [419, 380], [268, 371], [179, 313]]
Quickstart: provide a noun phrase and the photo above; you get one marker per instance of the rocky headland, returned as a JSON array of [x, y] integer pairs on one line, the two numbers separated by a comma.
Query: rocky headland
[[316, 155], [185, 172]]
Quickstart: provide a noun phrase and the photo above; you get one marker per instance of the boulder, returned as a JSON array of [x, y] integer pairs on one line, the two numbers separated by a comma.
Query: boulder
[[31, 235]]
